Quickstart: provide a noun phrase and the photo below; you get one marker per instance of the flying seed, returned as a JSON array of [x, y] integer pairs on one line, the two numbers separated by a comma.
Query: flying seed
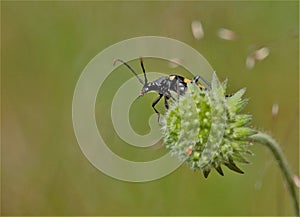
[[258, 185], [250, 61], [296, 181], [227, 34], [293, 33], [197, 29], [261, 53], [275, 109]]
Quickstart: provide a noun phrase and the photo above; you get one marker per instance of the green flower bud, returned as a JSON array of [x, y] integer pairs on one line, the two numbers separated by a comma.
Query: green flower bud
[[204, 128]]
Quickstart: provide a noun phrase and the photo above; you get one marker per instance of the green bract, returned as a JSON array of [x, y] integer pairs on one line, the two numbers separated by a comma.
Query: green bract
[[204, 128]]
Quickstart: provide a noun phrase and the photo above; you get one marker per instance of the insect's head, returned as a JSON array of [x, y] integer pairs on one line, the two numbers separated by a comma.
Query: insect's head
[[145, 83], [145, 89]]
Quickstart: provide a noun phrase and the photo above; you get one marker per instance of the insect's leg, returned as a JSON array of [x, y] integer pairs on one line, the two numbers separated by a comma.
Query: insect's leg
[[166, 102], [168, 92], [154, 103], [196, 78], [177, 88]]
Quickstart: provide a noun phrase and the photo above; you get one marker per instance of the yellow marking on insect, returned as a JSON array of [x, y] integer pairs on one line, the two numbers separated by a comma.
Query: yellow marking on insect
[[186, 80]]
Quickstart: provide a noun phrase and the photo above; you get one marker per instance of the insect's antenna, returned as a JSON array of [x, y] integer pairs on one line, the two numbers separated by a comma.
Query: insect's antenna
[[131, 69], [142, 65]]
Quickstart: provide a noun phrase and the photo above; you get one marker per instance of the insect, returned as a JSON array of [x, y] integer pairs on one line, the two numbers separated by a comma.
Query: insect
[[164, 85]]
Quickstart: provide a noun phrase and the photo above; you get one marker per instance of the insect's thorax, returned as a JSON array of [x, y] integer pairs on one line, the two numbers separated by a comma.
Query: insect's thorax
[[164, 85], [160, 85]]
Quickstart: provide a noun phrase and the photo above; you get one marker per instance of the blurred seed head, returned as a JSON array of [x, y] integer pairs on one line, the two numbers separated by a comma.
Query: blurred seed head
[[227, 34], [197, 29]]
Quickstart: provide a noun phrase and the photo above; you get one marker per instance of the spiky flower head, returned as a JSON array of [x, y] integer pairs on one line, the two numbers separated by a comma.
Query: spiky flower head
[[204, 128]]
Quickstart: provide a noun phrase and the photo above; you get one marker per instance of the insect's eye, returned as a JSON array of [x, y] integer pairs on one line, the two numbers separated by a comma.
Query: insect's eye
[[144, 90]]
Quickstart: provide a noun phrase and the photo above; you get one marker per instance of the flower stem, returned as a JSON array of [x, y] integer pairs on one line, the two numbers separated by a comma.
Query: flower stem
[[270, 143]]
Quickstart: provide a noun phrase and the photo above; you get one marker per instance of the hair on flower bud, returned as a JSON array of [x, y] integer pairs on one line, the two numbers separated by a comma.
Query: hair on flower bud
[[205, 129]]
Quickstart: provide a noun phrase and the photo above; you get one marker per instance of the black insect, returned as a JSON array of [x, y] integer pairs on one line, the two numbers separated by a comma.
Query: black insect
[[164, 85]]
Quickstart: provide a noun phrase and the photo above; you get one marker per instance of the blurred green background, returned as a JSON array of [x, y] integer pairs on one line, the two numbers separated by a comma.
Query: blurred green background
[[46, 45]]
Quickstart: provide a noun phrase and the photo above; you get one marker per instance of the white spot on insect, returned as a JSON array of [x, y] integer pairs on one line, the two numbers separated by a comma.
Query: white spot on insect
[[275, 109], [197, 29], [227, 34]]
